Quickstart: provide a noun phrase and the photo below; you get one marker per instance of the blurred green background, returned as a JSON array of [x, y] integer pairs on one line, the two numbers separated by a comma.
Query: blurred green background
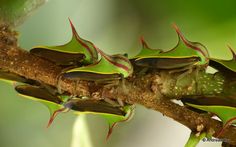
[[114, 26]]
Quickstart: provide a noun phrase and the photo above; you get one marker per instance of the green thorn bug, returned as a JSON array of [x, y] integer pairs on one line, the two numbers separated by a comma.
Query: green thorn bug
[[112, 67], [61, 103], [74, 53], [183, 55]]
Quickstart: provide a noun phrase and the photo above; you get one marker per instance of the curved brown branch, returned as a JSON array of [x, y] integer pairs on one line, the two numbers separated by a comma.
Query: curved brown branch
[[141, 90]]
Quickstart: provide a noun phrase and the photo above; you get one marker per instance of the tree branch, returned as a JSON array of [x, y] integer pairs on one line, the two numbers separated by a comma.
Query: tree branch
[[138, 89]]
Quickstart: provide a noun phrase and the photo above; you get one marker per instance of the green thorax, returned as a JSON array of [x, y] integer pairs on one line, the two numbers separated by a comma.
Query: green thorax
[[229, 64], [76, 45], [146, 51], [183, 50], [107, 65]]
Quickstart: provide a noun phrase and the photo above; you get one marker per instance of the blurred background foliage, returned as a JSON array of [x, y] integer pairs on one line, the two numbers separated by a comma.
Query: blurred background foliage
[[16, 11], [114, 26]]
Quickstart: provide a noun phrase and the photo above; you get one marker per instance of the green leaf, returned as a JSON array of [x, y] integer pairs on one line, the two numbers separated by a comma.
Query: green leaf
[[185, 53], [77, 50], [194, 139], [15, 11], [225, 113], [228, 64], [107, 68]]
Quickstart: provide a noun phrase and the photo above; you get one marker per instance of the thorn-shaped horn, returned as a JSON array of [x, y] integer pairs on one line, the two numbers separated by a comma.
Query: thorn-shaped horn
[[110, 131], [144, 43], [55, 113], [188, 43], [232, 51]]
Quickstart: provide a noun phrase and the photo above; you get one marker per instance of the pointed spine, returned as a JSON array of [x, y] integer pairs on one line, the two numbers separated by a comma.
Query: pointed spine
[[232, 51], [108, 58], [54, 116], [144, 43], [80, 40], [187, 42]]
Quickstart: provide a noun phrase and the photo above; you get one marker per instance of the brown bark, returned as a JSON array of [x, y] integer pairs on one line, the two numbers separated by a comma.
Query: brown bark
[[143, 90]]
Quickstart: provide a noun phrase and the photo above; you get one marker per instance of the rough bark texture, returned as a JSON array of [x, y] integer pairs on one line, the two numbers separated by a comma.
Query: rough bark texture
[[148, 89]]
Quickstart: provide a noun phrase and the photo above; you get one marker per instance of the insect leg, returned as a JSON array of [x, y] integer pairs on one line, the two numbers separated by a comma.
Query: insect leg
[[59, 77], [112, 102]]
